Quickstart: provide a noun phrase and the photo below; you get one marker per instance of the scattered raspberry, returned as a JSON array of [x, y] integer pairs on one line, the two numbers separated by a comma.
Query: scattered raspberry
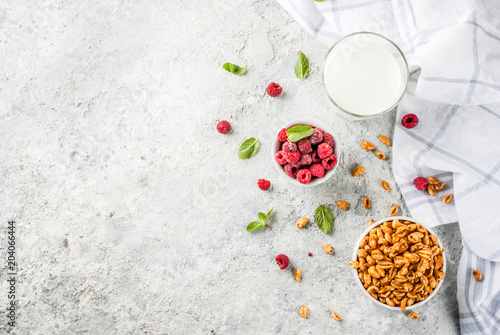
[[305, 159], [420, 183], [310, 254], [282, 261], [409, 121], [289, 146], [264, 184], [329, 162], [317, 136], [280, 158], [291, 157], [282, 136], [223, 127], [315, 157], [324, 150], [304, 176], [274, 90], [305, 146], [328, 139], [317, 170], [291, 170]]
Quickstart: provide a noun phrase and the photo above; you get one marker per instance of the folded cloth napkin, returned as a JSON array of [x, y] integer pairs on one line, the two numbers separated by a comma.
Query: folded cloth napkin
[[453, 51]]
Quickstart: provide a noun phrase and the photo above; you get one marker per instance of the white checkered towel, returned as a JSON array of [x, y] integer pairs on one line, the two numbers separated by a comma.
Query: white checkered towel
[[453, 50]]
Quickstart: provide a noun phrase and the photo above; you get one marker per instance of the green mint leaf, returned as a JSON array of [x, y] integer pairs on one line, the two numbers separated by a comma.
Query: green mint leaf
[[249, 148], [254, 225], [319, 0], [299, 132], [262, 217], [324, 219], [235, 69], [302, 66], [269, 213]]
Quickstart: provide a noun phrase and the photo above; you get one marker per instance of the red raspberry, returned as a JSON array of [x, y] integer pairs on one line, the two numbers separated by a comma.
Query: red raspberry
[[292, 157], [264, 184], [280, 158], [420, 183], [291, 170], [282, 136], [317, 136], [282, 261], [409, 121], [223, 127], [315, 157], [305, 159], [305, 146], [310, 254], [304, 176], [329, 162], [289, 146], [324, 150], [328, 139], [317, 170], [274, 90]]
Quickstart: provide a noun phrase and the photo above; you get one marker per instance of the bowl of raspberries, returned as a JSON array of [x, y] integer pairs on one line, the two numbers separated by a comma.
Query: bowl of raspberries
[[306, 152]]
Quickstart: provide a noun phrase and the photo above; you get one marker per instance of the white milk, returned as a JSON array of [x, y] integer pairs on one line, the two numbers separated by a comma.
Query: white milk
[[363, 79]]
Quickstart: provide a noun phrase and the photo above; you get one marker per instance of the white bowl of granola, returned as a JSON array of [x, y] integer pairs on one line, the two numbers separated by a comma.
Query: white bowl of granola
[[398, 263]]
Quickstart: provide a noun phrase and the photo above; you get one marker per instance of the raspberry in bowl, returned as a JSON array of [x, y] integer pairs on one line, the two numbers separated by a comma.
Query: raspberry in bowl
[[305, 160]]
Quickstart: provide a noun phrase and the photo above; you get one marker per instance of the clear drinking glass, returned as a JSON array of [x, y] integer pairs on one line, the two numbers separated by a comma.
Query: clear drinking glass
[[365, 74]]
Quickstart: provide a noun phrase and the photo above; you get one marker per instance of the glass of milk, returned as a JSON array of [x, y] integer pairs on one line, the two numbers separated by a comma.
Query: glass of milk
[[365, 74]]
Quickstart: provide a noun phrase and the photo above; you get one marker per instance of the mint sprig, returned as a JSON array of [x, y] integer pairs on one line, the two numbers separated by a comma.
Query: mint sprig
[[263, 221], [249, 148], [302, 66], [324, 219], [234, 69], [299, 132]]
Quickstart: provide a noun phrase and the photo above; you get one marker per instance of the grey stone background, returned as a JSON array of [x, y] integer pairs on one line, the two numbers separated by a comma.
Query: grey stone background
[[131, 208]]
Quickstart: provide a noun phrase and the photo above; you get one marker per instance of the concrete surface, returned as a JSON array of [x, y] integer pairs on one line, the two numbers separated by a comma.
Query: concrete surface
[[131, 208]]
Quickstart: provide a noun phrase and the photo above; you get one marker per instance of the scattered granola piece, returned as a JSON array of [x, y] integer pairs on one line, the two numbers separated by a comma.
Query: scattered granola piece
[[302, 222], [447, 199], [328, 248], [304, 311], [431, 189], [367, 203], [344, 205], [413, 316], [385, 140], [394, 210], [358, 170], [298, 275], [386, 185], [367, 145], [336, 316], [477, 275]]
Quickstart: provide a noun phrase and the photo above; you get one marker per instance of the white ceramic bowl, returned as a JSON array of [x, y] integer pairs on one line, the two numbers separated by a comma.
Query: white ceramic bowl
[[355, 258], [316, 124]]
